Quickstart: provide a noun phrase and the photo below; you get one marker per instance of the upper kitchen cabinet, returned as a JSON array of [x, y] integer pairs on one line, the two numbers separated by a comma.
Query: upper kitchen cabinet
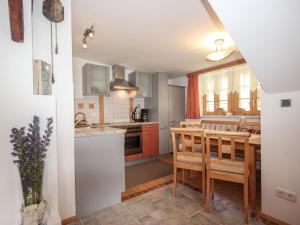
[[142, 80], [95, 80]]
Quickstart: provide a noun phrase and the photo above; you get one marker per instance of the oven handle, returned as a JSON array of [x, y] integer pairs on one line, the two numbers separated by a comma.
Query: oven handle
[[133, 134]]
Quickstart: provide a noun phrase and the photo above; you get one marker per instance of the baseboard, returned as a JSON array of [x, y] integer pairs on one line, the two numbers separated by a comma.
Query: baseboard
[[272, 219], [69, 220]]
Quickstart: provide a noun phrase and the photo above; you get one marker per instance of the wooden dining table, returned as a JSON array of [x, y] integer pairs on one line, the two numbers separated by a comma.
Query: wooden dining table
[[254, 145]]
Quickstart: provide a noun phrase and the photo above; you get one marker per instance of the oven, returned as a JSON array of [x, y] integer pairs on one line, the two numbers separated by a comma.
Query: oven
[[133, 139], [133, 143]]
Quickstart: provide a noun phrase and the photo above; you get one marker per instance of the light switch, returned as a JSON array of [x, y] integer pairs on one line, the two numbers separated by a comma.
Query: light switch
[[286, 103]]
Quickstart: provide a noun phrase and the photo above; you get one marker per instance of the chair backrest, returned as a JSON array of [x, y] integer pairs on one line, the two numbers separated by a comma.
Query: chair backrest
[[187, 137], [220, 125], [252, 127], [189, 124], [226, 144]]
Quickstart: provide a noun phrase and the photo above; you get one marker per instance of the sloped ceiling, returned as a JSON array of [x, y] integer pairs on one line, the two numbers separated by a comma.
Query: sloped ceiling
[[149, 35], [268, 36]]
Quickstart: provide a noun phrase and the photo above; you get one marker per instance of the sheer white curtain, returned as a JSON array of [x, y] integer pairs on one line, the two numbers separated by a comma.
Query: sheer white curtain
[[227, 80]]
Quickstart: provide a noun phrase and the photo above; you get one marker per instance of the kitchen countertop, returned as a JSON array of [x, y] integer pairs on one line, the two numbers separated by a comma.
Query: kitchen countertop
[[107, 128], [101, 130], [129, 123]]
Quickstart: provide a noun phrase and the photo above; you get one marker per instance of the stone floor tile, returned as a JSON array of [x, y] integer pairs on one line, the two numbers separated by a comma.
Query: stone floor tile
[[123, 221], [112, 213], [178, 219], [92, 221], [75, 223], [148, 220], [203, 220], [141, 207], [187, 206]]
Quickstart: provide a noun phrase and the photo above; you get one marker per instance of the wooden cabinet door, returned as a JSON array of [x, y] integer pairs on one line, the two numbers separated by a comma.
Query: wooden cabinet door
[[155, 141], [147, 145], [150, 139]]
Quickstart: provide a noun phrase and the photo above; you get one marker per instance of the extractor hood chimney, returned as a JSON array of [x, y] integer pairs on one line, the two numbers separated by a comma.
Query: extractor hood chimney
[[119, 82]]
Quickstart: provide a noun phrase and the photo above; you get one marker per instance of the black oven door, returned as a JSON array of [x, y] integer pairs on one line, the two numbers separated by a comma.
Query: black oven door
[[133, 143]]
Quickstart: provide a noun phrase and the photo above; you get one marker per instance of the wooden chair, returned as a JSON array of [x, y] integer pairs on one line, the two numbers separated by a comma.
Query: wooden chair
[[227, 168], [187, 158], [189, 124]]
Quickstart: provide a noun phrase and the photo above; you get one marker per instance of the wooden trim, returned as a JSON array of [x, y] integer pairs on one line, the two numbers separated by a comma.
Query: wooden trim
[[130, 108], [133, 157], [101, 109], [272, 219], [69, 220], [226, 65]]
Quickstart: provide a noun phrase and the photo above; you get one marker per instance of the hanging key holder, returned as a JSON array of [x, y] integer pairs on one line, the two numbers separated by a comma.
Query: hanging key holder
[[53, 10]]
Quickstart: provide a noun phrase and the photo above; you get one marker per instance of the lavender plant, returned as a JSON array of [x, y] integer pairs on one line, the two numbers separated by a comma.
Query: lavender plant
[[29, 151]]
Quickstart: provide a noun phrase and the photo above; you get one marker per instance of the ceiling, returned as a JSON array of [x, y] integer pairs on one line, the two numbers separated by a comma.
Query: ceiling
[[158, 35], [269, 41]]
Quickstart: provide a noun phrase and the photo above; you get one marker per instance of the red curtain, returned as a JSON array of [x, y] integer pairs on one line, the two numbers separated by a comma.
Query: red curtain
[[193, 108]]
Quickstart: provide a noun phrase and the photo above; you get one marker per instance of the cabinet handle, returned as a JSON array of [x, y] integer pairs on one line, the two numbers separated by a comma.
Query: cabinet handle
[[146, 133], [149, 126]]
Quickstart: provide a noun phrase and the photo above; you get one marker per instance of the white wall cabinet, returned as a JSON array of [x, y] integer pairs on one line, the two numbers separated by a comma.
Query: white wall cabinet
[[95, 80], [142, 80]]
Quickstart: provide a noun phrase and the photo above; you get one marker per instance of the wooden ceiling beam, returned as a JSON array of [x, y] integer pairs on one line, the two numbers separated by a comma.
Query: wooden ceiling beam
[[225, 65]]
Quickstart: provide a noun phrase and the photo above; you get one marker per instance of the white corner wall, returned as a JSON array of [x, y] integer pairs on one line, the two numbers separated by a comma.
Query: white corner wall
[[280, 155], [64, 95], [18, 105]]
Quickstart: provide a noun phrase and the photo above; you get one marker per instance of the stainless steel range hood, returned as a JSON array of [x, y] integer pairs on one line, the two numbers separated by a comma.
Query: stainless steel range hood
[[119, 82]]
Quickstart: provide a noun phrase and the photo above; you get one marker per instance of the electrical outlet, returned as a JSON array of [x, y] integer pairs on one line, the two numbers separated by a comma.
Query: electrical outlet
[[285, 194]]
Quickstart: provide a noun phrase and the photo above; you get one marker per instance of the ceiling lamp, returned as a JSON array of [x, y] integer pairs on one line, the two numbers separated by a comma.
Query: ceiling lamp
[[220, 53], [88, 33]]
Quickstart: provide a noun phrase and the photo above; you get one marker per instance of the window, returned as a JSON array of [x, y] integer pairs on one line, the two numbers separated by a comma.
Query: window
[[233, 89], [210, 96], [223, 97], [244, 92]]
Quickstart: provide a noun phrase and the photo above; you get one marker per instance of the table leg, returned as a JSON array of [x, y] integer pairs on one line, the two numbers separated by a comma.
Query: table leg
[[252, 171]]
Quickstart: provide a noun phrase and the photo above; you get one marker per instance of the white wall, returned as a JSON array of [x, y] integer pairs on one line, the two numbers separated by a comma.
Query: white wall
[[18, 105], [280, 155]]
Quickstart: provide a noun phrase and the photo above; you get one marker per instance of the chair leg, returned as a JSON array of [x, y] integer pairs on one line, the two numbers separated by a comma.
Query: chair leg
[[246, 199], [212, 188], [183, 172], [174, 181], [207, 193], [203, 186]]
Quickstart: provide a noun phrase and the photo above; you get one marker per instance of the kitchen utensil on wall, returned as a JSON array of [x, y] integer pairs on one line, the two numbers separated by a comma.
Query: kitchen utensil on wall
[[16, 20], [53, 10]]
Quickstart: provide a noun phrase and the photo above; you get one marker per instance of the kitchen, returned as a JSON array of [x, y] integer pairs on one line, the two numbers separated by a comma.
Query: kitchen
[[124, 116]]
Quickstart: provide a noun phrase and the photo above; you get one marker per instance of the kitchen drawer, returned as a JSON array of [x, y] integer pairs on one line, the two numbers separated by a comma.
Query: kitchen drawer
[[149, 128]]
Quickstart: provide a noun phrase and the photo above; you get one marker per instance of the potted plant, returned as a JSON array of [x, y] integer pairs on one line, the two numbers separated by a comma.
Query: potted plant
[[29, 151]]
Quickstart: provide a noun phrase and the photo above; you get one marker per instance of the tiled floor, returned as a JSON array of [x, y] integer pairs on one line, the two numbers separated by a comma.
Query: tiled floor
[[159, 207]]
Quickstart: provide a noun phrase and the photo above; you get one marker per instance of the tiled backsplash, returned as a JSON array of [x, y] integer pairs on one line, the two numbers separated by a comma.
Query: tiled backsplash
[[116, 107], [85, 105]]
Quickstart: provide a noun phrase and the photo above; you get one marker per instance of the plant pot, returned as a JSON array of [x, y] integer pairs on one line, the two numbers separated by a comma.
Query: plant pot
[[34, 214]]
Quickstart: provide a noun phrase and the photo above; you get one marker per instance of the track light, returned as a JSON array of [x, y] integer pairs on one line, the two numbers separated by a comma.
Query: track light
[[84, 44], [89, 32]]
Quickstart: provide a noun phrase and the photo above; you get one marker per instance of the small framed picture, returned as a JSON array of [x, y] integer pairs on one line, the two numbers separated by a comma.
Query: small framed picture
[[42, 78]]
